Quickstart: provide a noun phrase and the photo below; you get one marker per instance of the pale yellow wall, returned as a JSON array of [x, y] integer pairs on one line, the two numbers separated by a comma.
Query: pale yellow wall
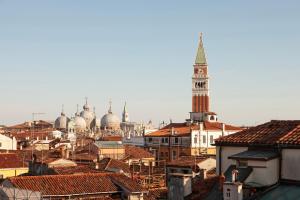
[[12, 172], [112, 153]]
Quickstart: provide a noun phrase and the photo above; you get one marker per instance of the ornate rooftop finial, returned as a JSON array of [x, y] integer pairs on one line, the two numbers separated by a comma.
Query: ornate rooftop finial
[[86, 106], [62, 109], [125, 116], [109, 110], [77, 110]]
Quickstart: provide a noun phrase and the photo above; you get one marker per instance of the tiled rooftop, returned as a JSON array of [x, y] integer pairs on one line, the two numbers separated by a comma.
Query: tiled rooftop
[[134, 152], [183, 129], [79, 169], [11, 160], [75, 184], [271, 133]]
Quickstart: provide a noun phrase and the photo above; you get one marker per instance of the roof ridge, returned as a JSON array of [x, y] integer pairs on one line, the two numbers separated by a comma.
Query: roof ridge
[[63, 175]]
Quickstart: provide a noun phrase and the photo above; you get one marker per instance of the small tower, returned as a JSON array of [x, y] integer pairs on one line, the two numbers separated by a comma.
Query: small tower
[[125, 115]]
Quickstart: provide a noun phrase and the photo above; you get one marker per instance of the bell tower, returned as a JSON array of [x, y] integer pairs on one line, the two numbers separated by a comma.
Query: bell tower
[[200, 80], [200, 88]]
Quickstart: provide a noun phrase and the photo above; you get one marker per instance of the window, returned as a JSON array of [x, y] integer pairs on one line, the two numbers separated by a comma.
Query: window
[[0, 144], [195, 140], [211, 139], [164, 140], [166, 154], [150, 139], [204, 139], [176, 140], [228, 193], [185, 171]]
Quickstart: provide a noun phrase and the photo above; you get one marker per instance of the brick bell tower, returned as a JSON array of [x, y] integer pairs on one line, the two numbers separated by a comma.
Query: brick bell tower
[[200, 87]]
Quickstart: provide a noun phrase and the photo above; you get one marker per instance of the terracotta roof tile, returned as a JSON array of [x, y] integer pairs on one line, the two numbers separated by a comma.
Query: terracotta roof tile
[[270, 133], [158, 193], [11, 160], [183, 129], [127, 183], [75, 183], [135, 152], [79, 169]]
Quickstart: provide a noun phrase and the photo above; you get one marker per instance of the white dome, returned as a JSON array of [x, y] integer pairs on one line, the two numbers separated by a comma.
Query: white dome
[[110, 121], [80, 124], [87, 116], [61, 122]]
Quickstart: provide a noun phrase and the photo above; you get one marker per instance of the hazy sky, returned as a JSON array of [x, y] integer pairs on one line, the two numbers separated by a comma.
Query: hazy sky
[[57, 52]]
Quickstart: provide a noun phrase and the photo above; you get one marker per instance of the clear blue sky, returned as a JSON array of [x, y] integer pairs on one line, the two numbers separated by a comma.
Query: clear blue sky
[[57, 52]]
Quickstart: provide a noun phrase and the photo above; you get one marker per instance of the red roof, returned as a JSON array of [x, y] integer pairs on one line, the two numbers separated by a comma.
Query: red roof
[[187, 161], [74, 184], [11, 160], [135, 152], [79, 169], [270, 133], [184, 129], [111, 138]]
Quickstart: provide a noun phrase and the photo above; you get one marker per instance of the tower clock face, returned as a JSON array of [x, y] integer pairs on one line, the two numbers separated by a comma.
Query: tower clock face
[[201, 72]]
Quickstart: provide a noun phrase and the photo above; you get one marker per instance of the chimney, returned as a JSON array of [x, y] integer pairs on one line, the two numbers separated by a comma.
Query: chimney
[[172, 131], [223, 127], [96, 165], [67, 153], [201, 126], [234, 174]]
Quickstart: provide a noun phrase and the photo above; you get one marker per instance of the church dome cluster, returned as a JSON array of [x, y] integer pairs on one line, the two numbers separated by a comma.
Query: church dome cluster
[[87, 121]]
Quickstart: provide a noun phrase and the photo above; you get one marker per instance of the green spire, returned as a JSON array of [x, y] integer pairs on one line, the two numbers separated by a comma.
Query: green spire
[[200, 58]]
